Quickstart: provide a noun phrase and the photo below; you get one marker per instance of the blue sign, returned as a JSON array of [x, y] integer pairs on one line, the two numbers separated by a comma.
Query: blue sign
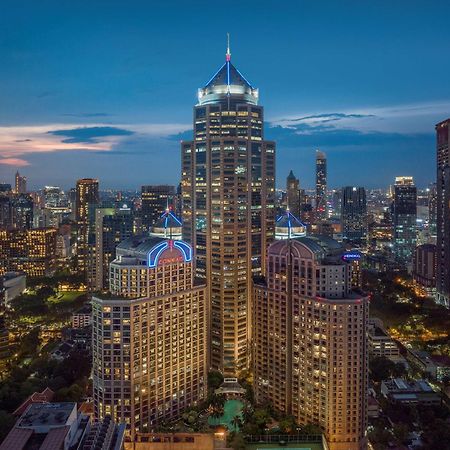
[[351, 256]]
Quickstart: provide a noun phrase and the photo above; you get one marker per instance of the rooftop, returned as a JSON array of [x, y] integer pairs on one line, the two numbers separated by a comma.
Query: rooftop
[[46, 414]]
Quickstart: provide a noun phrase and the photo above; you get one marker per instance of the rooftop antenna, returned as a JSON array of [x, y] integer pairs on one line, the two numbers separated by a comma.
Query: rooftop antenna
[[228, 55]]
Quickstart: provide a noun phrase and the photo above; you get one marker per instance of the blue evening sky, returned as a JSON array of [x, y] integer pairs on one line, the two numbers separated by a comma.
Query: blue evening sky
[[105, 88]]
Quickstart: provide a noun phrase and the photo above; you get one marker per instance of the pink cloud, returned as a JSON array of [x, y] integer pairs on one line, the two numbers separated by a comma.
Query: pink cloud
[[14, 162]]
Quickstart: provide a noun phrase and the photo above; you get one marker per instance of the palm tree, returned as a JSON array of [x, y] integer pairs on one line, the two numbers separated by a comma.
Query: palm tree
[[236, 421]]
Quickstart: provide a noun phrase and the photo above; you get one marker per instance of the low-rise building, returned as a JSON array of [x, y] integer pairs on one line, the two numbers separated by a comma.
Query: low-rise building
[[415, 392], [60, 426], [12, 284], [83, 317], [380, 342]]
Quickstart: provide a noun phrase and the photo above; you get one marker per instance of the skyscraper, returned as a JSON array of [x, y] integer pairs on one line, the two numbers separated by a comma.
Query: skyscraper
[[22, 209], [432, 208], [87, 198], [228, 189], [354, 214], [293, 194], [150, 335], [112, 226], [309, 339], [404, 219], [21, 184], [154, 201], [321, 185], [443, 213]]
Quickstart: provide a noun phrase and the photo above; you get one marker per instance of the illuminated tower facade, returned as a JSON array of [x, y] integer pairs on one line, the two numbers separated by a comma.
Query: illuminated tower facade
[[149, 335], [87, 198], [354, 214], [321, 186], [405, 215], [309, 339], [21, 184], [443, 213], [228, 191], [293, 194]]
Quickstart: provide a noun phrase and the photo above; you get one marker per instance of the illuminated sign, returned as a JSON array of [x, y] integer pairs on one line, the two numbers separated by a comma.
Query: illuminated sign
[[155, 253], [351, 256]]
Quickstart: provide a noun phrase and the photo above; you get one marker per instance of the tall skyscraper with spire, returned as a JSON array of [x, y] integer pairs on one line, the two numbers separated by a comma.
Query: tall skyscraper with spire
[[228, 190], [321, 185], [293, 194]]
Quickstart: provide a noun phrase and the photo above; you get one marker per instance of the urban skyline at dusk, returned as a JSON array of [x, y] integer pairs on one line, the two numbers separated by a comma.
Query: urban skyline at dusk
[[87, 90]]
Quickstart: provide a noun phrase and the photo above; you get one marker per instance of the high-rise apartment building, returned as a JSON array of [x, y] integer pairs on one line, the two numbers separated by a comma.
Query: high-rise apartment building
[[404, 220], [20, 184], [443, 213], [30, 251], [309, 339], [149, 335], [432, 208], [154, 201], [321, 186], [112, 226], [354, 214], [228, 189], [86, 200], [424, 270], [22, 212], [293, 194]]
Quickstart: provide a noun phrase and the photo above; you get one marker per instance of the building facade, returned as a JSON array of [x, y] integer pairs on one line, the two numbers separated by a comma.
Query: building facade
[[30, 251], [149, 335], [443, 213], [404, 220], [354, 214], [20, 184], [228, 190], [321, 186], [310, 340], [86, 200], [293, 194], [154, 201], [424, 270]]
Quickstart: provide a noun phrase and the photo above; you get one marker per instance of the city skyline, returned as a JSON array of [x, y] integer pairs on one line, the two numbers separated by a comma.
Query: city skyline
[[104, 88]]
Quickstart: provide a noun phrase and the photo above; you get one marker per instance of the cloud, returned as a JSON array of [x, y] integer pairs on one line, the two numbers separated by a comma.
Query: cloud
[[95, 114], [16, 162], [88, 135], [20, 142]]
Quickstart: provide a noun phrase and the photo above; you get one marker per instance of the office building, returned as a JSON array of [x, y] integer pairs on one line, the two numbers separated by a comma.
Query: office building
[[86, 200], [380, 343], [30, 251], [293, 194], [228, 189], [404, 220], [149, 335], [424, 270], [112, 226], [154, 201], [309, 339], [5, 188], [432, 208], [354, 214], [443, 213], [321, 186], [22, 212], [21, 184]]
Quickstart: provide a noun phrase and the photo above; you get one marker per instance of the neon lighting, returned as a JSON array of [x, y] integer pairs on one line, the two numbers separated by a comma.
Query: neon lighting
[[351, 256], [186, 249], [155, 253], [245, 79], [214, 76], [228, 73], [175, 217]]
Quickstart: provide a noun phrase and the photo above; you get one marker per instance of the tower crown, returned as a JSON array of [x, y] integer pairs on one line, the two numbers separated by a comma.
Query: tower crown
[[227, 83]]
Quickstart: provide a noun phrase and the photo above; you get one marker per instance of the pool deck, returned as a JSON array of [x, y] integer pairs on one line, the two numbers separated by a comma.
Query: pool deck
[[292, 446]]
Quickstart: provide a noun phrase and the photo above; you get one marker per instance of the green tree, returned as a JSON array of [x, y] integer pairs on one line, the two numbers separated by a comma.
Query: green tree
[[287, 424], [236, 421], [6, 423], [215, 379], [237, 441]]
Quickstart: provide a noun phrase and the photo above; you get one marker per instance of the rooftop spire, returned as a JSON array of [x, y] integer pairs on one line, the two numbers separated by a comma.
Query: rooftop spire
[[228, 54]]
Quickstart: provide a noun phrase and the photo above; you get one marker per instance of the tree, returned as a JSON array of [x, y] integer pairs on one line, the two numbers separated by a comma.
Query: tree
[[237, 442], [401, 431], [381, 368], [287, 424], [215, 379], [236, 421]]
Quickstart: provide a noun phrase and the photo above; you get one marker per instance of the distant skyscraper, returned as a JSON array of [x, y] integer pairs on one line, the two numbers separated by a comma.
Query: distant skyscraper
[[443, 213], [309, 339], [432, 208], [424, 270], [22, 209], [354, 214], [87, 198], [21, 184], [154, 201], [228, 186], [321, 185], [5, 188], [404, 220], [150, 335], [112, 226], [293, 194]]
